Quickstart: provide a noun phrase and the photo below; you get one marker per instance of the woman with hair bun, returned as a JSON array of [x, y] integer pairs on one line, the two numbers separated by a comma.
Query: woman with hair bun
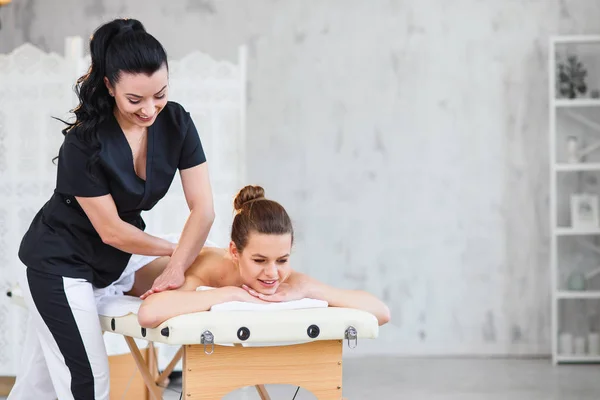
[[254, 268], [118, 158]]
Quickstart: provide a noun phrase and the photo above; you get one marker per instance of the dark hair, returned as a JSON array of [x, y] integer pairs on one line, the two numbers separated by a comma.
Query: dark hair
[[255, 213], [122, 45]]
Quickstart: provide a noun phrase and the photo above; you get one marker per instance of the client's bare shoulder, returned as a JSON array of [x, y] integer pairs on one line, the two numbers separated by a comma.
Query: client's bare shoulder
[[213, 267]]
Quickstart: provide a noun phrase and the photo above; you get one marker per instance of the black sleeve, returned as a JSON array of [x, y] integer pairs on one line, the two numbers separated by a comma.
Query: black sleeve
[[192, 153], [75, 177]]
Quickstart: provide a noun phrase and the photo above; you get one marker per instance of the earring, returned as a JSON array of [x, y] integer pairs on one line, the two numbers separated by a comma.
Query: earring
[[111, 93]]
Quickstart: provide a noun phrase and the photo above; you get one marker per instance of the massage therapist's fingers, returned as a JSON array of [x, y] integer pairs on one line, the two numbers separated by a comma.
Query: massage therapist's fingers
[[163, 288], [152, 291], [170, 279], [157, 288]]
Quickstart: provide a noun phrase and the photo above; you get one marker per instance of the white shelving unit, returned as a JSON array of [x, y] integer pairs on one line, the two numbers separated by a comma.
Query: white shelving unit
[[577, 359], [577, 167], [577, 103], [566, 294], [576, 231], [568, 108]]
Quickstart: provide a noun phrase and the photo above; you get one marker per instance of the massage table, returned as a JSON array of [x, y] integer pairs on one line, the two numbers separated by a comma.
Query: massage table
[[227, 349]]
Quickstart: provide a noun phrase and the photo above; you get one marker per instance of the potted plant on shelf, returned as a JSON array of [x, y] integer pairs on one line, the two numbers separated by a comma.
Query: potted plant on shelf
[[571, 78]]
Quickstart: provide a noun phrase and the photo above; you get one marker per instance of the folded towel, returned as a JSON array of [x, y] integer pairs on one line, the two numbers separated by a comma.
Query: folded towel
[[285, 305], [118, 305], [246, 306]]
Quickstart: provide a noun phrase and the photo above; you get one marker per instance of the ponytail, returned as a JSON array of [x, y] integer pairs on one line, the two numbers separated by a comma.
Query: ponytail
[[122, 45]]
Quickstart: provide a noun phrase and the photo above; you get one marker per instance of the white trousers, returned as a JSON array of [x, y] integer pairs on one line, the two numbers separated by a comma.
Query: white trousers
[[64, 355]]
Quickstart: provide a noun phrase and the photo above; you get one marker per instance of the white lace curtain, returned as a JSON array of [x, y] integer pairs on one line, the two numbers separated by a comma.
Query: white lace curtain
[[36, 86]]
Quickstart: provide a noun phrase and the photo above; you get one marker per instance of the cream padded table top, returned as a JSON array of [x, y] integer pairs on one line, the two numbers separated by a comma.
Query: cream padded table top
[[246, 327], [229, 327]]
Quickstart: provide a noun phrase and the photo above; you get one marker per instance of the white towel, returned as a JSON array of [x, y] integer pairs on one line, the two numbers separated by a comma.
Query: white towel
[[284, 305], [247, 306], [119, 306]]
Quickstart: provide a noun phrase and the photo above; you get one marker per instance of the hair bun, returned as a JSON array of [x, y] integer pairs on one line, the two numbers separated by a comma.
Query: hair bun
[[247, 194], [126, 25]]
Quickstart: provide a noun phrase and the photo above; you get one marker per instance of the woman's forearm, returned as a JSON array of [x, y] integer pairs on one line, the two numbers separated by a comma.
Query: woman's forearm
[[159, 307], [130, 239], [194, 235], [357, 299]]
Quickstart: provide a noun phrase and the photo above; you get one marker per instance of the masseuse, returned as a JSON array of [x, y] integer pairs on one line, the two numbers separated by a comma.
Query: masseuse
[[118, 158]]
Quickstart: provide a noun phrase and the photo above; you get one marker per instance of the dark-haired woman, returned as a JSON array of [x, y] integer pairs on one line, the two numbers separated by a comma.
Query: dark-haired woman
[[118, 159]]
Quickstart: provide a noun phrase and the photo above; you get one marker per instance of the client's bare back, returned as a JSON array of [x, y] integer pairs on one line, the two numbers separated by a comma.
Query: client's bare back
[[212, 267]]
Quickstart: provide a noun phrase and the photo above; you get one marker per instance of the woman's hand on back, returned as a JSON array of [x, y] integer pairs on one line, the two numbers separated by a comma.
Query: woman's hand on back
[[171, 278]]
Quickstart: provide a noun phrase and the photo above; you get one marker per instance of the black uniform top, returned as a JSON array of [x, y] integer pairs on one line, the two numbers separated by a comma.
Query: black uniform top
[[61, 239]]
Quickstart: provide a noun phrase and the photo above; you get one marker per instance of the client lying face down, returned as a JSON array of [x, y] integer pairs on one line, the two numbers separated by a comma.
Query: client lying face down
[[255, 268]]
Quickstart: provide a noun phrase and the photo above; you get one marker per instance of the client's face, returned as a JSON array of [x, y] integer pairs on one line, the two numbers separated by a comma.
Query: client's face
[[264, 263]]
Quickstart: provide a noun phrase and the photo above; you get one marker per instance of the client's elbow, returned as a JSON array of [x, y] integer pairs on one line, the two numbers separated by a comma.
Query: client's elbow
[[147, 316], [384, 316]]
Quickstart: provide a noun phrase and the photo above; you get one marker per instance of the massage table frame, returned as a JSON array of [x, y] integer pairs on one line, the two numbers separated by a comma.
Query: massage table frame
[[211, 371], [314, 366]]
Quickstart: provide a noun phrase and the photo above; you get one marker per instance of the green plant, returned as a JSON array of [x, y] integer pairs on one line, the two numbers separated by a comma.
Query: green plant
[[571, 78]]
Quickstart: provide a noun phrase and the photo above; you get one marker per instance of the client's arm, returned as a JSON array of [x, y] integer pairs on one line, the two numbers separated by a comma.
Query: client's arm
[[358, 299], [161, 306], [299, 286]]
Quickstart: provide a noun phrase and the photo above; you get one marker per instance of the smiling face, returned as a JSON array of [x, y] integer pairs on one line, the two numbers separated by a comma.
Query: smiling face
[[140, 97], [264, 262]]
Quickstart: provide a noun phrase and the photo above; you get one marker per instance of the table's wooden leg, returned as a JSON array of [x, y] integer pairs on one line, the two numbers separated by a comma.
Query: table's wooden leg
[[155, 393], [152, 361], [315, 366], [165, 374], [262, 392]]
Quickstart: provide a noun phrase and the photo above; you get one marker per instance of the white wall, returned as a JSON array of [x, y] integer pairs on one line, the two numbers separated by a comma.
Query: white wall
[[408, 139]]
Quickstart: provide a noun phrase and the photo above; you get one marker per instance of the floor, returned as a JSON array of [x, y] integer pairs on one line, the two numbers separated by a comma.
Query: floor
[[448, 379]]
